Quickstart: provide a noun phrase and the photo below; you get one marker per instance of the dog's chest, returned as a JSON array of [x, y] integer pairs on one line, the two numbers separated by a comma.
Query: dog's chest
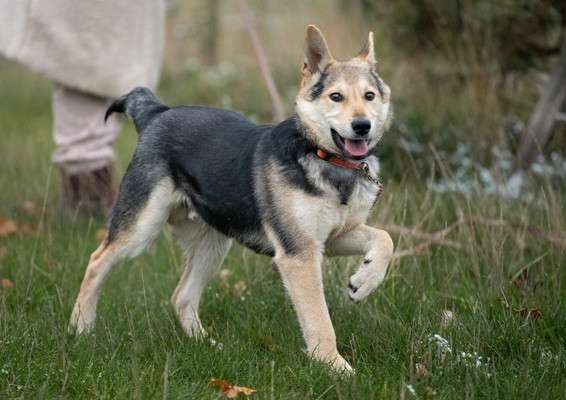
[[346, 198], [351, 205]]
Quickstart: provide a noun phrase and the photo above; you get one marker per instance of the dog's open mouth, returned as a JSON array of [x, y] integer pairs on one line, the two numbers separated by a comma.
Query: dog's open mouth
[[351, 148]]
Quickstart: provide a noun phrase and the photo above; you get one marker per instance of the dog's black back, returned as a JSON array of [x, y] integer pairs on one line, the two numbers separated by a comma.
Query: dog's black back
[[214, 157], [211, 155]]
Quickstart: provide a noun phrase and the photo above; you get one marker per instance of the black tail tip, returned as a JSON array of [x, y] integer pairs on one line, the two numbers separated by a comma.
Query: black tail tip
[[117, 106]]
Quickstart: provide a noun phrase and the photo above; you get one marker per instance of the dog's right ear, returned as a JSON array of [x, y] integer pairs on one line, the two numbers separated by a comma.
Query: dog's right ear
[[317, 54]]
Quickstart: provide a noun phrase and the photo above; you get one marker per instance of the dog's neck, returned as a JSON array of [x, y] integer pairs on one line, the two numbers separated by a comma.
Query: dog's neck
[[331, 158], [336, 160]]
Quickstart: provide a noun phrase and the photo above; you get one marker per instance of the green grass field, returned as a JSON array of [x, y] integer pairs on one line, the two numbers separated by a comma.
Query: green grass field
[[139, 351]]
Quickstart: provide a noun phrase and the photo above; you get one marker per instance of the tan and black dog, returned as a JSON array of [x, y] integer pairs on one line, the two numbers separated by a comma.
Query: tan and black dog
[[296, 191]]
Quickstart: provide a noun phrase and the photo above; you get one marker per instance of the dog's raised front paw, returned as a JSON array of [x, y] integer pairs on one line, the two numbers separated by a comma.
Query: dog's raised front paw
[[362, 283], [342, 366]]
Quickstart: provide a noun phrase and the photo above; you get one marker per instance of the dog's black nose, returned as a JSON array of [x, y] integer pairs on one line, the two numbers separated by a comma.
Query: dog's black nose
[[361, 126]]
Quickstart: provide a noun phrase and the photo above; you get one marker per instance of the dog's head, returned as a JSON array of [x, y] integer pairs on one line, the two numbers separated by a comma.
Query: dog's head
[[344, 106]]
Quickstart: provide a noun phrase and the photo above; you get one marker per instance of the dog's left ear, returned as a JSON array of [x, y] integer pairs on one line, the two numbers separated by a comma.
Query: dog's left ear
[[367, 52], [317, 53]]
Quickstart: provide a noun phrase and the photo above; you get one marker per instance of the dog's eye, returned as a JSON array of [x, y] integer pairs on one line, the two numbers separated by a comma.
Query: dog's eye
[[336, 97], [369, 96]]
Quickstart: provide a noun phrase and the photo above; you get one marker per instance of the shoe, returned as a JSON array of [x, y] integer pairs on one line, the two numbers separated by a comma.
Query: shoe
[[89, 193]]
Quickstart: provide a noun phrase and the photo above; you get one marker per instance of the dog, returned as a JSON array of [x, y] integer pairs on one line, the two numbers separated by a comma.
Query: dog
[[295, 191]]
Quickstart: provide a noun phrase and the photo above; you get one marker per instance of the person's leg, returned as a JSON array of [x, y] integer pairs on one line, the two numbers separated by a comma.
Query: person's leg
[[84, 151]]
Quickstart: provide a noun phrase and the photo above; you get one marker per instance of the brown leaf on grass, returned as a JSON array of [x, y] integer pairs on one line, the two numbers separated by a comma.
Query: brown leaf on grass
[[100, 234], [7, 227], [10, 227], [6, 283], [528, 313], [3, 252], [229, 390]]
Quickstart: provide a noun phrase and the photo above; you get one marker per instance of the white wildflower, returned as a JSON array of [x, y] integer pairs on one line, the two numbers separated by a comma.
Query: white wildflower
[[442, 344], [411, 390]]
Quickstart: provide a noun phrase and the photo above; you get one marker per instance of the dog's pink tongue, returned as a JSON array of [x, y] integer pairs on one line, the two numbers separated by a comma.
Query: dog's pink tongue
[[356, 147]]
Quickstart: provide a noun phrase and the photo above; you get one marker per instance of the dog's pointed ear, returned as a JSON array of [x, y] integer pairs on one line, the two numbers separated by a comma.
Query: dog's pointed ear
[[367, 52], [317, 54]]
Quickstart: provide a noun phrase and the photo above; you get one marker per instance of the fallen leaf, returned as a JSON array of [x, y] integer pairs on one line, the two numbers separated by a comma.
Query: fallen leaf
[[240, 288], [229, 390], [6, 283], [3, 252], [528, 313], [100, 234], [7, 227]]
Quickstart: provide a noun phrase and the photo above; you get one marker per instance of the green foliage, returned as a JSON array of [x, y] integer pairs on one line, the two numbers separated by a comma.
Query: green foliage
[[509, 34]]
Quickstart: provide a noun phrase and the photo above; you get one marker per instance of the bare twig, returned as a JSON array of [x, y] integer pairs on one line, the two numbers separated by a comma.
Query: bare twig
[[249, 22], [557, 239], [415, 251], [440, 237], [435, 237]]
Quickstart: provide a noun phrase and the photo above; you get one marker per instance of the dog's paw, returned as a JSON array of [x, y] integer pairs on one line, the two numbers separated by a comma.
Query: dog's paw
[[362, 283], [342, 366], [80, 324]]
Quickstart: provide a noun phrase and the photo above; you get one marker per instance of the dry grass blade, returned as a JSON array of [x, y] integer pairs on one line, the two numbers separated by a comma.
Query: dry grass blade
[[528, 313]]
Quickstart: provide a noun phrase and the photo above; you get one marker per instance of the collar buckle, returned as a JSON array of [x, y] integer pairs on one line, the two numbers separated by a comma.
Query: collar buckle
[[362, 168]]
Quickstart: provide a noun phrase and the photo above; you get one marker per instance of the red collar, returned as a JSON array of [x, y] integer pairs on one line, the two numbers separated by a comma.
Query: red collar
[[332, 159], [362, 168]]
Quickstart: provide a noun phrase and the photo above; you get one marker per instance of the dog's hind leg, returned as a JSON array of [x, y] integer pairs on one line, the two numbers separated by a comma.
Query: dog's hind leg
[[128, 236], [377, 248], [204, 250]]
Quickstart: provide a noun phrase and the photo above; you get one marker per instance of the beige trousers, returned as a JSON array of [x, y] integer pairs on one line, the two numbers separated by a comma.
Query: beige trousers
[[83, 141]]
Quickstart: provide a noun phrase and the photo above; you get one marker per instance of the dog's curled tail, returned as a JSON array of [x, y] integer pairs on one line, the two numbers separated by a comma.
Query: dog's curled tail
[[140, 105]]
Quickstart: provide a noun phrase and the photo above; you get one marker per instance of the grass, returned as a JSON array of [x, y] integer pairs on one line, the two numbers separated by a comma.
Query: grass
[[139, 351]]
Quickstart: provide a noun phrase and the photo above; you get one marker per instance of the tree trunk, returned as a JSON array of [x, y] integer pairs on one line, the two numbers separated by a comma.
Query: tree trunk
[[539, 127]]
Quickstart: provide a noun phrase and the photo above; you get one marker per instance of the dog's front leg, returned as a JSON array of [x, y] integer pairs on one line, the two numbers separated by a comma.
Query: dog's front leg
[[302, 276], [376, 246]]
